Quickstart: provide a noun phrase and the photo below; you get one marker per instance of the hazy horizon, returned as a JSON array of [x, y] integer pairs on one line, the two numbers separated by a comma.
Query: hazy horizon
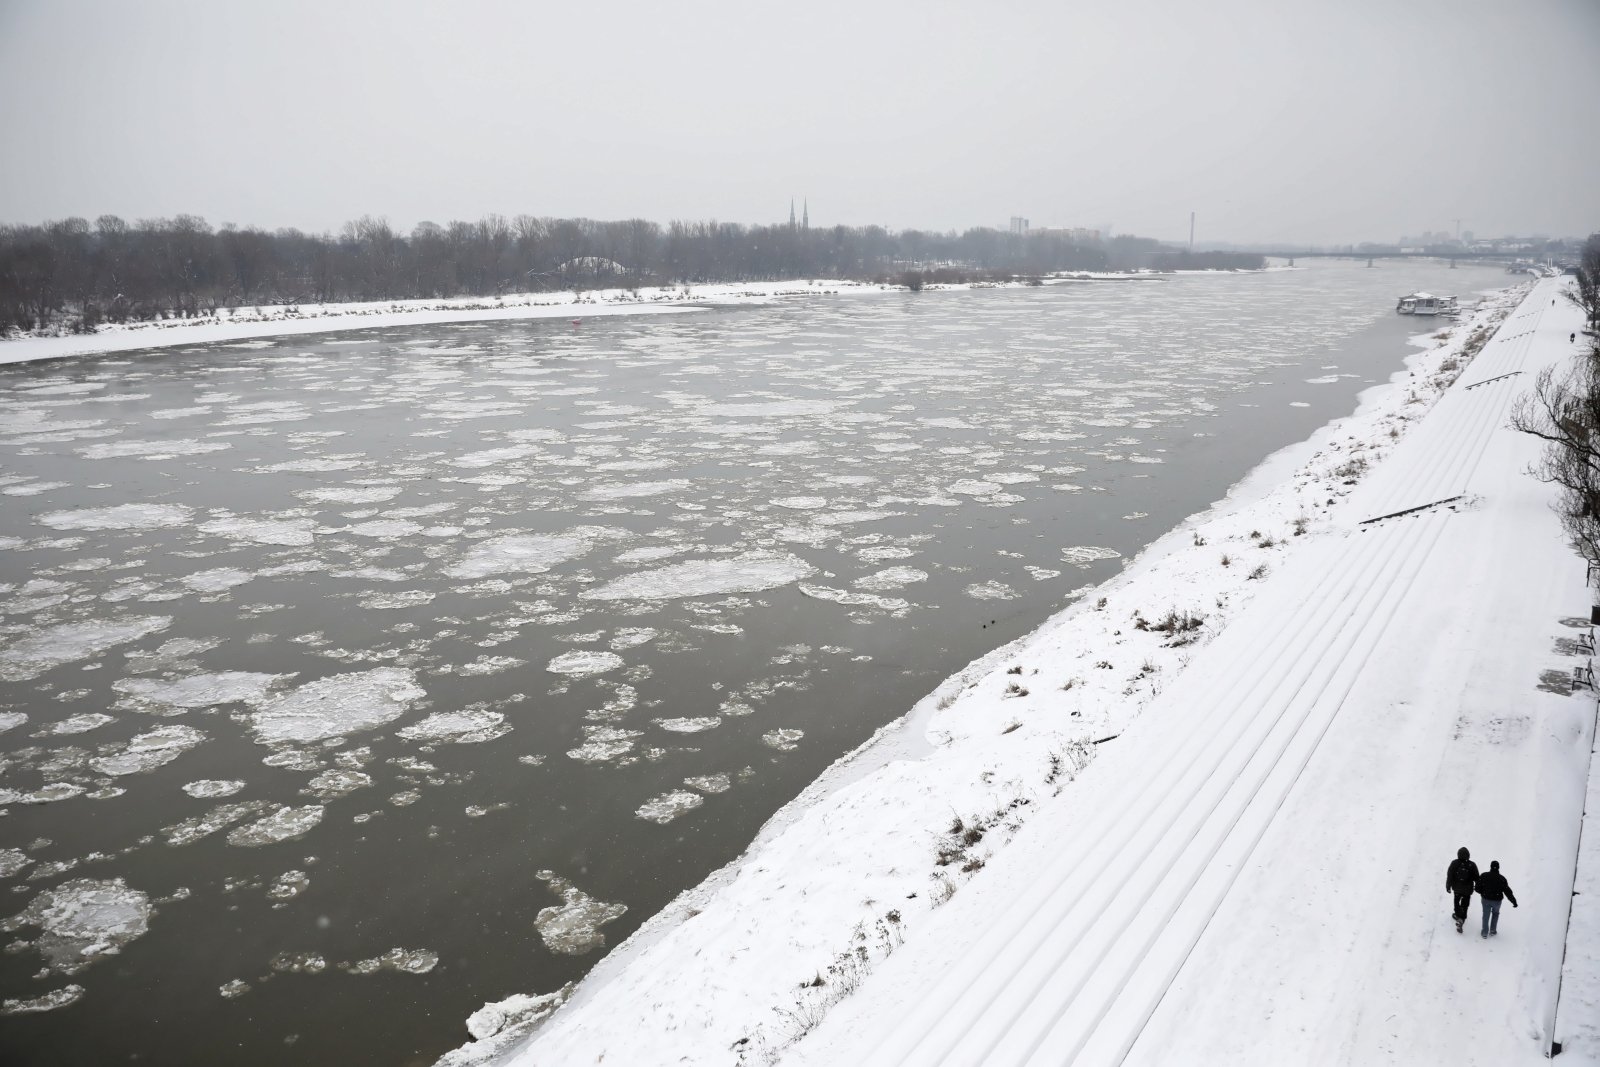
[[1326, 124]]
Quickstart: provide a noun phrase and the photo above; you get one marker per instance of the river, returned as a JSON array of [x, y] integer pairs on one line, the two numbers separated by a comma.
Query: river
[[350, 681]]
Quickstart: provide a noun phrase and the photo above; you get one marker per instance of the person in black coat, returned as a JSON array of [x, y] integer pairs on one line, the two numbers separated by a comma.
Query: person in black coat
[[1491, 887], [1460, 878]]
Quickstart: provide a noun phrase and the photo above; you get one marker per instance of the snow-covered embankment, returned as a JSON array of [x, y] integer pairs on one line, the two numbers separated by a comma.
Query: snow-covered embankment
[[743, 965]]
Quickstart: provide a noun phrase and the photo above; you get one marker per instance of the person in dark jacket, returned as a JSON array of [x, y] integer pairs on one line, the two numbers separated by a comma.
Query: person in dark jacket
[[1460, 879], [1491, 887]]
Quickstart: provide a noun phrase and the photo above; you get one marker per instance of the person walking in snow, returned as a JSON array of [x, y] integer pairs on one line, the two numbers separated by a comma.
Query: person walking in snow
[[1460, 879], [1491, 887]]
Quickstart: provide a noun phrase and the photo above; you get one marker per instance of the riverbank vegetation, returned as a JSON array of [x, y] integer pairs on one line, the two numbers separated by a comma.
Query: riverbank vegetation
[[73, 275], [1563, 409]]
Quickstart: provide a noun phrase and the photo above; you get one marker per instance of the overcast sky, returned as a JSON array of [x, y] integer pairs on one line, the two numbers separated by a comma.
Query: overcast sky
[[1274, 120]]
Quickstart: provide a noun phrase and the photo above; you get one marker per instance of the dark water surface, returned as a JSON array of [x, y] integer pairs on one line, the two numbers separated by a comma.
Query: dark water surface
[[328, 663]]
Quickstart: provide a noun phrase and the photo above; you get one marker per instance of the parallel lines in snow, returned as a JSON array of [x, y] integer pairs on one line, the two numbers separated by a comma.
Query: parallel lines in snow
[[1075, 968]]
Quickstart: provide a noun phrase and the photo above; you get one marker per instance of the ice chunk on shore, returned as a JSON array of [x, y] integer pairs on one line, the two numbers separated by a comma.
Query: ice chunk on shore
[[573, 928], [149, 750], [285, 824], [582, 663], [33, 656], [83, 920], [531, 553], [337, 705], [118, 517], [752, 572]]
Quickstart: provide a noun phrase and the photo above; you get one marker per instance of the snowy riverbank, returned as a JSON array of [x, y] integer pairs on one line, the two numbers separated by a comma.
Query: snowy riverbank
[[755, 957], [247, 323]]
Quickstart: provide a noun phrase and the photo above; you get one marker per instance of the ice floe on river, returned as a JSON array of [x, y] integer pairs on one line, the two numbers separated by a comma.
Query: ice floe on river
[[82, 921], [752, 572], [337, 705]]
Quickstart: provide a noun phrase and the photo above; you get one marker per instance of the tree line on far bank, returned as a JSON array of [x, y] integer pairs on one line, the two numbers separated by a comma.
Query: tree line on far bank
[[74, 274]]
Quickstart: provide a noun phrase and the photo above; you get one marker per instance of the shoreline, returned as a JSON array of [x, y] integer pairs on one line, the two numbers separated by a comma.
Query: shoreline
[[870, 832], [280, 320]]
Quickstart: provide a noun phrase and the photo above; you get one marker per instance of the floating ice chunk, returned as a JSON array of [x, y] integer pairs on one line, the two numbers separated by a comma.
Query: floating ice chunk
[[196, 691], [991, 591], [489, 665], [604, 743], [48, 794], [492, 457], [308, 466], [223, 815], [292, 533], [1009, 477], [372, 494], [632, 637], [335, 783], [573, 928], [689, 725], [385, 528], [668, 806], [207, 788], [635, 489], [1083, 555], [774, 409], [849, 599], [12, 861], [298, 963], [749, 573], [406, 598], [1328, 379], [892, 578], [531, 553], [57, 998], [118, 517], [149, 750], [151, 449], [83, 920], [710, 783], [783, 740], [650, 553], [285, 824], [802, 503], [1041, 574], [10, 720], [219, 580], [288, 885], [458, 727], [34, 488], [583, 662], [974, 487], [337, 705], [77, 724], [234, 989], [402, 960]]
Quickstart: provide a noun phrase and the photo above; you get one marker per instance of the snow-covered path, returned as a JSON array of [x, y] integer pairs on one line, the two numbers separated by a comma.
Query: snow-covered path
[[1254, 871]]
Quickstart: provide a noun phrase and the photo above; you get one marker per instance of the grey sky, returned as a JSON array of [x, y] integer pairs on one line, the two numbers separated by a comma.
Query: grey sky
[[1342, 120]]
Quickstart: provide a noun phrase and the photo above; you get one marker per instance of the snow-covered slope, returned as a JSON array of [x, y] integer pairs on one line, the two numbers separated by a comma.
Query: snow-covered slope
[[1254, 872], [887, 877]]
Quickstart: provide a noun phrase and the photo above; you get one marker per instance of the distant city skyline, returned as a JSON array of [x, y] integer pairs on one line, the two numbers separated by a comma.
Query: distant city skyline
[[1318, 123]]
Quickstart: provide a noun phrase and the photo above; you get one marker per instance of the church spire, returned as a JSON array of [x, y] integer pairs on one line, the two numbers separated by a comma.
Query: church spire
[[805, 217], [791, 213]]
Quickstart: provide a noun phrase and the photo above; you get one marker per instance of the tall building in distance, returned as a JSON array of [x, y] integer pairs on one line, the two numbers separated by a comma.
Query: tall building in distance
[[1019, 225]]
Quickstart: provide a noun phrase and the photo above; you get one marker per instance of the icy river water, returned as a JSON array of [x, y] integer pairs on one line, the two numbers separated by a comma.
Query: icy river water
[[350, 681]]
